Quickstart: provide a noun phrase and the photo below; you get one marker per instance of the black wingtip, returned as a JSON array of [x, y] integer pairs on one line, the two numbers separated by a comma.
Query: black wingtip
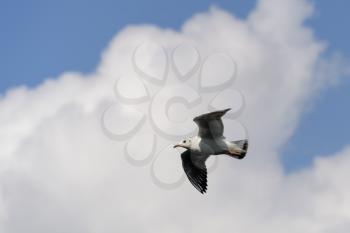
[[196, 175]]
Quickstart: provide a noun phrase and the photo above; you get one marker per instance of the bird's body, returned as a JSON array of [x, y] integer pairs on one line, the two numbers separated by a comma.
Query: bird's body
[[217, 146], [209, 141]]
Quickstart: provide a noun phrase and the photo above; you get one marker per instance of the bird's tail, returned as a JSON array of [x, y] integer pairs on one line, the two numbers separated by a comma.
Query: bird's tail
[[242, 151]]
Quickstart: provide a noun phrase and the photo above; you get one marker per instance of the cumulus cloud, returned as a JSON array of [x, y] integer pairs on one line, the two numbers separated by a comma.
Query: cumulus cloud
[[60, 173]]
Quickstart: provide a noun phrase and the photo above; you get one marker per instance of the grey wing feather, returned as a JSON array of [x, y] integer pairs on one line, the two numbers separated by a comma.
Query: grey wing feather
[[197, 175], [210, 124]]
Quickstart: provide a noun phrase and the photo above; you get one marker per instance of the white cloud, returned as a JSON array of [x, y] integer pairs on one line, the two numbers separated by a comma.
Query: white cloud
[[60, 173]]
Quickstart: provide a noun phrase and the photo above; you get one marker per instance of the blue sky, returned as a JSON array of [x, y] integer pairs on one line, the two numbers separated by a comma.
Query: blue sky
[[41, 39]]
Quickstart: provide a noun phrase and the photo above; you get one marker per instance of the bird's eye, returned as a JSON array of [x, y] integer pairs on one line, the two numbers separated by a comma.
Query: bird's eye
[[184, 141]]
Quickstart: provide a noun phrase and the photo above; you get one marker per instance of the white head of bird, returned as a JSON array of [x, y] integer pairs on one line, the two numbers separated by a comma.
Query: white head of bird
[[186, 143]]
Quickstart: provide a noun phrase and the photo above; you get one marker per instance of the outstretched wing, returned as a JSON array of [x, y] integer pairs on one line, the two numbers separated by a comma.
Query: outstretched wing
[[195, 170], [210, 124]]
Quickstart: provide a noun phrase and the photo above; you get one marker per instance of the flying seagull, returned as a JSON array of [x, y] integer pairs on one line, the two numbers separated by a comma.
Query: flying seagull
[[209, 141]]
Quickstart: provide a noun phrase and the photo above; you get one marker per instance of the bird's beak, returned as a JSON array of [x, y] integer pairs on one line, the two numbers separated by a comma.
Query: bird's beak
[[176, 145]]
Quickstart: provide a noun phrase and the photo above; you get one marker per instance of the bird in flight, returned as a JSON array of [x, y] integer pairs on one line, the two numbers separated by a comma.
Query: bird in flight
[[209, 141]]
